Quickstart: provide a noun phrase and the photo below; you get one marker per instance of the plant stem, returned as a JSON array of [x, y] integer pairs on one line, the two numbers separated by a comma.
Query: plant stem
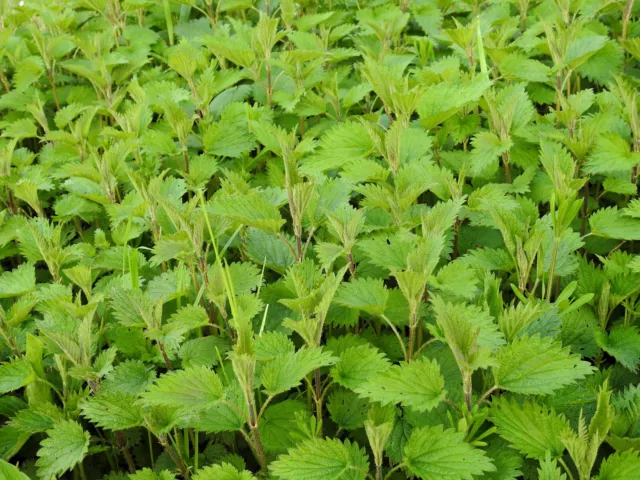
[[352, 266], [83, 476], [398, 336], [196, 448], [467, 387], [257, 442], [585, 209], [625, 18], [552, 268], [150, 440], [185, 155], [318, 387], [486, 394], [286, 242], [54, 89], [175, 457], [394, 469], [168, 20], [507, 167], [122, 444], [167, 362], [566, 468], [449, 402], [412, 337]]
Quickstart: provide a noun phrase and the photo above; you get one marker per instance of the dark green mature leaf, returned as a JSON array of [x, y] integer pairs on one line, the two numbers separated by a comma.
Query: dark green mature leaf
[[443, 100], [15, 374], [611, 154], [620, 466], [18, 282], [253, 210], [279, 426], [433, 453], [195, 387], [418, 385], [530, 428], [610, 223], [287, 371], [113, 411], [319, 459], [225, 471], [535, 365], [10, 472], [366, 294], [622, 343], [358, 365], [65, 446]]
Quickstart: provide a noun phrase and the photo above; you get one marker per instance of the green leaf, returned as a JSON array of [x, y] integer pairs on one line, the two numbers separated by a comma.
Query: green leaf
[[279, 426], [321, 459], [287, 371], [436, 454], [39, 417], [347, 409], [267, 249], [11, 441], [15, 374], [418, 385], [532, 429], [148, 474], [457, 279], [507, 461], [344, 143], [227, 140], [518, 67], [130, 377], [65, 446], [113, 410], [388, 251], [539, 366], [202, 351], [611, 223], [191, 388], [579, 50], [20, 281], [367, 294], [358, 365], [487, 149], [10, 472], [622, 343], [611, 154], [620, 466], [549, 470], [443, 100], [224, 471], [469, 331], [252, 210]]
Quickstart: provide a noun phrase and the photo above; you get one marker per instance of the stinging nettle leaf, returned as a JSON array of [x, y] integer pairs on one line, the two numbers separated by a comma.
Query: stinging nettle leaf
[[320, 459], [535, 365], [191, 388], [433, 453], [287, 371], [418, 385], [65, 446]]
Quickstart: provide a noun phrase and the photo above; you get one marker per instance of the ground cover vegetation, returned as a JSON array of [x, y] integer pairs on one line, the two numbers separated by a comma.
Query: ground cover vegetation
[[327, 240]]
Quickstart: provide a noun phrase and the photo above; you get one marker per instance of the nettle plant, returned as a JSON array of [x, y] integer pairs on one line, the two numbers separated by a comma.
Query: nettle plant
[[319, 240]]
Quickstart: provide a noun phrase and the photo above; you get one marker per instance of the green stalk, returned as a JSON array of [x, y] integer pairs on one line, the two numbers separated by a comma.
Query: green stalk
[[481, 57], [168, 19], [554, 255]]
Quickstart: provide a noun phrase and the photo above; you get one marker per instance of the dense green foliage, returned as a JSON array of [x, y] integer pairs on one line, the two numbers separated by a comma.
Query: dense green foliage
[[335, 240]]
